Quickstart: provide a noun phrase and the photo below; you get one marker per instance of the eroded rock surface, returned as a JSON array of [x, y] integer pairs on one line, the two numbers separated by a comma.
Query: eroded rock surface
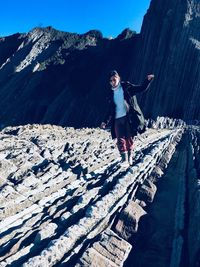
[[63, 194]]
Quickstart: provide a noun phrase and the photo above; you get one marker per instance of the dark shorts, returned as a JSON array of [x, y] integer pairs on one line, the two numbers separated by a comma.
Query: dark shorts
[[122, 128], [123, 134]]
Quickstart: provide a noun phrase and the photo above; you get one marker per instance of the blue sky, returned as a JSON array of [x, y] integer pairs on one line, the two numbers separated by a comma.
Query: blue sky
[[80, 16]]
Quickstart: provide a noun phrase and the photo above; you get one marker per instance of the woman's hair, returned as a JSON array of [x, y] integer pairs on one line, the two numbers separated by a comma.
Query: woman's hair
[[113, 73]]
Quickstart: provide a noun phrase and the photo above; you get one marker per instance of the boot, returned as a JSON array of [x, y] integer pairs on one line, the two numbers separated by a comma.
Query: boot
[[130, 157], [124, 159]]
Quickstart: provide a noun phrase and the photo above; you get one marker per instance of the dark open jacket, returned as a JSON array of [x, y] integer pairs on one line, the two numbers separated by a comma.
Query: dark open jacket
[[134, 113]]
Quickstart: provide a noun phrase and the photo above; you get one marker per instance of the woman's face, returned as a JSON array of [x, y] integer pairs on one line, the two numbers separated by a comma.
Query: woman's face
[[114, 81]]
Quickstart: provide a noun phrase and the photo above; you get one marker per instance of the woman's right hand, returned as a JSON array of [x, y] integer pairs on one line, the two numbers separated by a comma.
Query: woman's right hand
[[103, 125]]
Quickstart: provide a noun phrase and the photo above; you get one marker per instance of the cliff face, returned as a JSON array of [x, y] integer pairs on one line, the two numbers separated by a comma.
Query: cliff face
[[169, 46], [48, 76], [56, 77]]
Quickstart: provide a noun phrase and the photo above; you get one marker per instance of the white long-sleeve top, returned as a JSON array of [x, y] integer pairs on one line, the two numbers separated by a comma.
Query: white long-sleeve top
[[119, 102]]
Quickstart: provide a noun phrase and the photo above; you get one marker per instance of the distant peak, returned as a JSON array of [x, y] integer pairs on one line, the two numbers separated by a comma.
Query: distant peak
[[42, 29], [126, 34], [95, 33]]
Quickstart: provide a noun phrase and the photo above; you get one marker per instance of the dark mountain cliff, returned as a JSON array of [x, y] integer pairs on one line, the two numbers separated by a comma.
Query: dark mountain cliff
[[169, 46], [48, 76], [58, 77]]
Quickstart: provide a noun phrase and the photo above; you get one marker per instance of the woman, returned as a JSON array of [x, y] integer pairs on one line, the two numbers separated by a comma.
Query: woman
[[124, 114]]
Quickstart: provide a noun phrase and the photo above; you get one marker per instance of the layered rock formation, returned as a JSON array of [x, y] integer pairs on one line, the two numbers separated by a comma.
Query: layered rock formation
[[62, 192], [65, 201], [169, 46], [55, 77]]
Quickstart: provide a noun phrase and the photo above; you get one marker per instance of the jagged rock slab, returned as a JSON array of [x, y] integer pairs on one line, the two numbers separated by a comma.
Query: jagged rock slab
[[166, 50], [128, 220], [147, 191], [110, 250]]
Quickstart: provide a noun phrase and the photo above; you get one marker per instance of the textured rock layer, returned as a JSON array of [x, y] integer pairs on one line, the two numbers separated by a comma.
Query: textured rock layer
[[169, 46], [66, 201]]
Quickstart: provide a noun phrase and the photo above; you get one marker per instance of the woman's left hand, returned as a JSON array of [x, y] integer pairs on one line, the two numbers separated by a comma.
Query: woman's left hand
[[150, 77]]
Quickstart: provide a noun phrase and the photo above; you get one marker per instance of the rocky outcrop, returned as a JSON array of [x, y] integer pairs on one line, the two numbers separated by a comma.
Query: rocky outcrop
[[65, 199], [127, 224], [165, 122]]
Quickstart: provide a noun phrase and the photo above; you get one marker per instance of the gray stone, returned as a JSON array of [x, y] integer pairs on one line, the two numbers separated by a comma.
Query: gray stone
[[129, 217], [110, 250]]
